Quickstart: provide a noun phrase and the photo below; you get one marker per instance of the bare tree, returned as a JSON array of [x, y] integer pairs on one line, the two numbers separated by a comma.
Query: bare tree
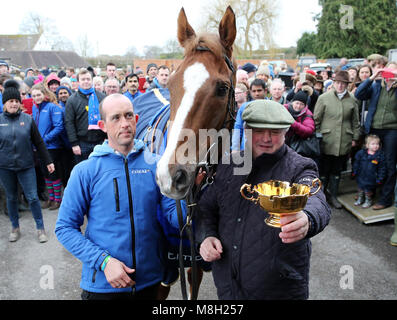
[[172, 46], [84, 46], [254, 19], [152, 52], [51, 39], [33, 23], [132, 52]]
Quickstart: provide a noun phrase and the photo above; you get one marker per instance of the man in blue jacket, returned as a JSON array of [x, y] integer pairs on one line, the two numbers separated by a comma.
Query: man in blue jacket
[[116, 190]]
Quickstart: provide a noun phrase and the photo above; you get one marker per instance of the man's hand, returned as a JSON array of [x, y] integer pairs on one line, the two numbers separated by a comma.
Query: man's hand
[[294, 227], [211, 249], [377, 74], [298, 86], [76, 150], [200, 176], [116, 274]]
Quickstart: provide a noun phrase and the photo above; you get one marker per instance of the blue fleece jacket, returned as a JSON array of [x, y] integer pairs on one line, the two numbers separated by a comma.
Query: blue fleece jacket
[[238, 137], [49, 121], [98, 188]]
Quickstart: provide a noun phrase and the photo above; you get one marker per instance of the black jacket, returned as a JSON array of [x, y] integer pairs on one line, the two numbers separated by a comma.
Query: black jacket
[[17, 133], [76, 120], [255, 264]]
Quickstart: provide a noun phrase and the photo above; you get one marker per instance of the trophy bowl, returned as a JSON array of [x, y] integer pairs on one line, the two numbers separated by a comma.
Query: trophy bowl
[[279, 198]]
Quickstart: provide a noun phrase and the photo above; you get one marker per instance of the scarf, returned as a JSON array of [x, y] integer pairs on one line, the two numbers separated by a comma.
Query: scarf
[[93, 108], [341, 95], [295, 114]]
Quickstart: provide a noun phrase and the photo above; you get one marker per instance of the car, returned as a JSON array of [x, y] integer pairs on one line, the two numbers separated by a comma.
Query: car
[[392, 55], [334, 62], [306, 61], [356, 62], [278, 63], [319, 66]]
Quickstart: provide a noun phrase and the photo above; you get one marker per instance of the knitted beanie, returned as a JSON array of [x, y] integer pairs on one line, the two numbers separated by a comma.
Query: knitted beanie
[[150, 65], [301, 96], [11, 91]]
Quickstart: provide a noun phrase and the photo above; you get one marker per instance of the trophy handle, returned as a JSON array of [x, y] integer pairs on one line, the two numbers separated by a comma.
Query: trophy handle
[[315, 182], [248, 187]]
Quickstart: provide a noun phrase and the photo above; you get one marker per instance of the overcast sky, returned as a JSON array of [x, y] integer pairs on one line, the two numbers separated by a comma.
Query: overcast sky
[[113, 26]]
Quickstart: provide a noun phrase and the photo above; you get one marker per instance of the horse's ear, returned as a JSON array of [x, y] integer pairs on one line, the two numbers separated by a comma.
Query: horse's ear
[[185, 30], [227, 29]]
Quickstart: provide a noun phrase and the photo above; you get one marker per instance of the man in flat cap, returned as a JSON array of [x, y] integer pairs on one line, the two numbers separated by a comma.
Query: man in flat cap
[[251, 260]]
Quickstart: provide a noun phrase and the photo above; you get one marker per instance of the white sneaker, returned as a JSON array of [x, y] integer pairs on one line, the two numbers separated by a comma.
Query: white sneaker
[[14, 235], [42, 236]]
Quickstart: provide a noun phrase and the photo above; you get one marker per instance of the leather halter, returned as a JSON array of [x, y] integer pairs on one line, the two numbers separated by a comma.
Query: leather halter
[[231, 99]]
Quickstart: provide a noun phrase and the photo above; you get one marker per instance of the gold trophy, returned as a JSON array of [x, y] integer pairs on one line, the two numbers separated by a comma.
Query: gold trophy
[[279, 198]]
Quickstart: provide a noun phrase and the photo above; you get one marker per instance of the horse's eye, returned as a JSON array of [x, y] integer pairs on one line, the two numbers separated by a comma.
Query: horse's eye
[[221, 89]]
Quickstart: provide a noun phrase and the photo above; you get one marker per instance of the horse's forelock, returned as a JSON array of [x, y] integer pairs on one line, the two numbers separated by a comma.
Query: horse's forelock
[[208, 40]]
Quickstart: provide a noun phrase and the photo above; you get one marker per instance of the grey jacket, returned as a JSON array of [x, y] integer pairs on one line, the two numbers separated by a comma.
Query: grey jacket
[[18, 134]]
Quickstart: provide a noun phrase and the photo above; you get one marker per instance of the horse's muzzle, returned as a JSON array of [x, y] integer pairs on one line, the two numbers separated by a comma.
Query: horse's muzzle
[[176, 182]]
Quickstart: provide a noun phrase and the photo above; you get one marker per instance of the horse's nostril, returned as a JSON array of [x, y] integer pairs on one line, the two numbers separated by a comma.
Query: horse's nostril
[[181, 180]]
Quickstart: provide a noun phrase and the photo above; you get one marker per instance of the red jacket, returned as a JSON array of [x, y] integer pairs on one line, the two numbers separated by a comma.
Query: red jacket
[[304, 124]]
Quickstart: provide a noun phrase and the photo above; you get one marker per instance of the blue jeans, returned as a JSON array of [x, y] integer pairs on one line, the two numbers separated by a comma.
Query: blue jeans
[[27, 180], [86, 149], [388, 138]]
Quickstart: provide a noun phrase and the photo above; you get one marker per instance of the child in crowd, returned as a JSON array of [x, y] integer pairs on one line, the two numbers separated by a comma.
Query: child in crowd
[[369, 169]]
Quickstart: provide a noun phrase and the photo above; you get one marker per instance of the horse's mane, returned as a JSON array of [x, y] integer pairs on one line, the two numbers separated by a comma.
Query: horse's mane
[[207, 40]]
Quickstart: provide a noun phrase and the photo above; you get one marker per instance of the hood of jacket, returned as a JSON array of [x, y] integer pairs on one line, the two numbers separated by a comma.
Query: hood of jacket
[[104, 149]]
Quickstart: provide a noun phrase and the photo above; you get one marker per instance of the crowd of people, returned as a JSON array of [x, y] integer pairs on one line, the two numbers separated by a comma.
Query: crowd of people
[[81, 122], [60, 104], [345, 108]]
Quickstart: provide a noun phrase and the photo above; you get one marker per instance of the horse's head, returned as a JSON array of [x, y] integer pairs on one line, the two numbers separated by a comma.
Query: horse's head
[[200, 91]]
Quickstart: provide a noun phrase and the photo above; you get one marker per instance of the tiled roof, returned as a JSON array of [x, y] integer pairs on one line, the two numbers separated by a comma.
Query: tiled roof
[[14, 42], [40, 59]]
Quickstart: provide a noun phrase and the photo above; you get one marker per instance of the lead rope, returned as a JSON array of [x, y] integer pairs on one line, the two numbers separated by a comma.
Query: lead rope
[[191, 202]]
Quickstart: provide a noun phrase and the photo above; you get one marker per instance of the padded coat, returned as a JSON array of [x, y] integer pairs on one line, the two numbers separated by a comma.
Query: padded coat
[[255, 263]]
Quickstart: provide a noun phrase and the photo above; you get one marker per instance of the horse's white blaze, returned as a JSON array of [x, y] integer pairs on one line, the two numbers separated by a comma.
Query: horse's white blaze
[[193, 78]]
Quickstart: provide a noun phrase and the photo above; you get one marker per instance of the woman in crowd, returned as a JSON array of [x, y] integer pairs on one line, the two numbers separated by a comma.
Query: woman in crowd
[[304, 122], [49, 120], [364, 72], [98, 84], [18, 165], [336, 119], [353, 73], [303, 127]]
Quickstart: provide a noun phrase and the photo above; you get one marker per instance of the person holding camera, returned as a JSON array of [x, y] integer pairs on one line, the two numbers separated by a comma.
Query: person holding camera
[[381, 91]]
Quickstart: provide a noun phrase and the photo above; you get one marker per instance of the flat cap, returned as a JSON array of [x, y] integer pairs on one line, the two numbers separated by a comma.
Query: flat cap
[[267, 114]]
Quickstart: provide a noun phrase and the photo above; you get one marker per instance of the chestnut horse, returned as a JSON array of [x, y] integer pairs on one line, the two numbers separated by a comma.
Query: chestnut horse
[[201, 96]]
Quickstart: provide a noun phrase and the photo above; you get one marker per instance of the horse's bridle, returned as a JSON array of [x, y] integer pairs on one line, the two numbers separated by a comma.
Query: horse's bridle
[[231, 98], [194, 191]]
